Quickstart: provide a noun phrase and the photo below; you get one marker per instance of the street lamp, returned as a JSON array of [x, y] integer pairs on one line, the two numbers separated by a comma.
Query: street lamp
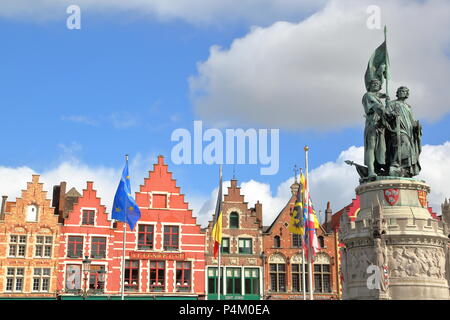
[[86, 270]]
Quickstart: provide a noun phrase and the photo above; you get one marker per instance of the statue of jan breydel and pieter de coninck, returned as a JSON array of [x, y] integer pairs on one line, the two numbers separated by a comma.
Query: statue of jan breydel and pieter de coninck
[[392, 138]]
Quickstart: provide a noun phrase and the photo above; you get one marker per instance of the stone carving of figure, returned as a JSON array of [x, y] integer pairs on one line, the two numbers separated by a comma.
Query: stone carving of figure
[[381, 261], [364, 262], [433, 270], [413, 266], [374, 132], [422, 259], [404, 137], [440, 263], [400, 263], [353, 266]]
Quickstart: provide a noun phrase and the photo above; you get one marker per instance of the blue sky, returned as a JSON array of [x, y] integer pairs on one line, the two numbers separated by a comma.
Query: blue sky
[[121, 85]]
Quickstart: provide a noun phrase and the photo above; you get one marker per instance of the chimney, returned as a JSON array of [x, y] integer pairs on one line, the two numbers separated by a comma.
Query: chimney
[[328, 217], [2, 212], [258, 210], [58, 201]]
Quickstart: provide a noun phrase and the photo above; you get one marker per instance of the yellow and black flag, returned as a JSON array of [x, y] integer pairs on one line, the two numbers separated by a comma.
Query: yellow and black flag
[[297, 219], [217, 224]]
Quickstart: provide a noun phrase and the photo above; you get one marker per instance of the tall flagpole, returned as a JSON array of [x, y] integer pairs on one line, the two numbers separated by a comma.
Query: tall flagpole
[[387, 67], [303, 251], [303, 275], [311, 297], [220, 245], [122, 286]]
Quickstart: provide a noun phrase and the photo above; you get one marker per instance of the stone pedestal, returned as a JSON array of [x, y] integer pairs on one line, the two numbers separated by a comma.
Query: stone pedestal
[[394, 249]]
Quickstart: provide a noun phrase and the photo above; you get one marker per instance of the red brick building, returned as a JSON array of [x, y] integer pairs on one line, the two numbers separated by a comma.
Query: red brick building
[[242, 246], [165, 256], [86, 232], [29, 245], [283, 259]]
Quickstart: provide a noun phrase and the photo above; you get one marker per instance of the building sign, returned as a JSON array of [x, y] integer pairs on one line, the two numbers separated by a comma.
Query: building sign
[[156, 256]]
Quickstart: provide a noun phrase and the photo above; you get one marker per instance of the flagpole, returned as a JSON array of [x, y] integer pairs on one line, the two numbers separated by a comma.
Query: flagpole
[[220, 247], [386, 72], [122, 286], [308, 227], [303, 251], [303, 275]]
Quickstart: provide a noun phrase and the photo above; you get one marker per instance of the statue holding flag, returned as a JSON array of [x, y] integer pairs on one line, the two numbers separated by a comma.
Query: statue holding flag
[[392, 138], [375, 110]]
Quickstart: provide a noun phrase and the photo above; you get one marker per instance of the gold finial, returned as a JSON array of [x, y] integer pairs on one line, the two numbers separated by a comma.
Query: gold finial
[[306, 148]]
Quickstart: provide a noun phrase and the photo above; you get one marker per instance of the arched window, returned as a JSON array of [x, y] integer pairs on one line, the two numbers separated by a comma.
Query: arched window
[[32, 213], [234, 220], [276, 242], [321, 241]]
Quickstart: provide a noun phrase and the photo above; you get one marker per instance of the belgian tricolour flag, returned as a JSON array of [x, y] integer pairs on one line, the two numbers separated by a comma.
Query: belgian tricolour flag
[[217, 223]]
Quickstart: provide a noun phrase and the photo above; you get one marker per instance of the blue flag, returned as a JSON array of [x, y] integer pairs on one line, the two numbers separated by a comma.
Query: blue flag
[[125, 208]]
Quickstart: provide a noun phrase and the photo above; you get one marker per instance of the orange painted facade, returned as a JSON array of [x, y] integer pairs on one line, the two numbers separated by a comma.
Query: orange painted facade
[[29, 245]]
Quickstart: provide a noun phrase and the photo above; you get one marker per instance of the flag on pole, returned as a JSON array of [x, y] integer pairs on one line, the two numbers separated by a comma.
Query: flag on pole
[[217, 223], [125, 208], [378, 66], [297, 218], [310, 237]]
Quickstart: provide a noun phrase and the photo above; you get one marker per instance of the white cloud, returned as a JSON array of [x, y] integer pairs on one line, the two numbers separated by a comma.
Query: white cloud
[[314, 69], [192, 11], [80, 119]]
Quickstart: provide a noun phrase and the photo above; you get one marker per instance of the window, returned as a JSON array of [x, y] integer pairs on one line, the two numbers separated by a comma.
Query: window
[[43, 248], [183, 276], [234, 220], [131, 275], [321, 241], [17, 245], [14, 279], [277, 277], [276, 242], [322, 278], [225, 245], [75, 247], [297, 278], [296, 240], [41, 279], [245, 246], [157, 275], [213, 280], [171, 238], [96, 278], [145, 237], [98, 247], [32, 213], [251, 281], [88, 217], [234, 281], [159, 201]]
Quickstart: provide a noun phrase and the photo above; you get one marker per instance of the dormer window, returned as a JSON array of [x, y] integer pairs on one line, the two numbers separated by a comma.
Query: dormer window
[[234, 220], [32, 213]]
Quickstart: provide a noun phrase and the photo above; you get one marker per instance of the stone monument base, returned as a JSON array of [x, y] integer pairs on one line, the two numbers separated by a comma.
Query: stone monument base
[[394, 249]]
